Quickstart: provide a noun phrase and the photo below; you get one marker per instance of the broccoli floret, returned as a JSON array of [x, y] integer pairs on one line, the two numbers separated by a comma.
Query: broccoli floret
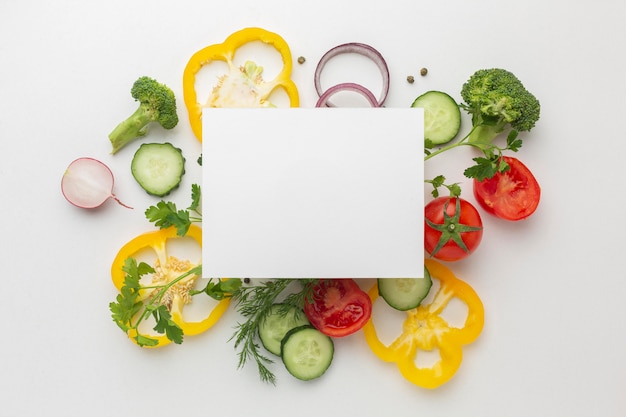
[[157, 103], [498, 101]]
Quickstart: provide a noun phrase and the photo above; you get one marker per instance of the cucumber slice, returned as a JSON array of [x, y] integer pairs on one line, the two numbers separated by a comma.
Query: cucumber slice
[[405, 293], [442, 116], [306, 352], [274, 326], [158, 168]]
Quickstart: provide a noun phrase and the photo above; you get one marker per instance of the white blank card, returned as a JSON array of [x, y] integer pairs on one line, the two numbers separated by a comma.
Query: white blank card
[[313, 193]]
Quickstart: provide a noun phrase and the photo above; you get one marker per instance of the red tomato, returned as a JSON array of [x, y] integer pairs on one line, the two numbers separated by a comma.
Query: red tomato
[[339, 307], [451, 235], [512, 195]]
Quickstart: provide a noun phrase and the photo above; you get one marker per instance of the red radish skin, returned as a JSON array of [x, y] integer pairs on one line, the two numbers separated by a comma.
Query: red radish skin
[[88, 183]]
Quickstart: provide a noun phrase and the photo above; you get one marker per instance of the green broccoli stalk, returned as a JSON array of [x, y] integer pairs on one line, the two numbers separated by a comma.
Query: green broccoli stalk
[[157, 103], [498, 103]]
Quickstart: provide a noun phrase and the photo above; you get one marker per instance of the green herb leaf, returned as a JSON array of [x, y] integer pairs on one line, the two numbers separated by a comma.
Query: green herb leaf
[[512, 141], [145, 341], [125, 308], [484, 168], [502, 166], [439, 181], [165, 324], [165, 214], [127, 303], [135, 271], [196, 196], [142, 269], [220, 289], [455, 190]]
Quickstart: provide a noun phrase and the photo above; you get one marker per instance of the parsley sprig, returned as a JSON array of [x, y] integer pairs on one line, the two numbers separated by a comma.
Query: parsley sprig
[[439, 181], [223, 288], [492, 162], [485, 166], [130, 309], [165, 214]]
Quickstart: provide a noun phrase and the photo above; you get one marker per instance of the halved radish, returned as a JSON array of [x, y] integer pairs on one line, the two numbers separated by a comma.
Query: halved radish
[[88, 183]]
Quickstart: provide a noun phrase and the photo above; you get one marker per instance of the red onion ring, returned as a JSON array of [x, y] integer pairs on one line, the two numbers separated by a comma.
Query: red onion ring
[[358, 48], [357, 88]]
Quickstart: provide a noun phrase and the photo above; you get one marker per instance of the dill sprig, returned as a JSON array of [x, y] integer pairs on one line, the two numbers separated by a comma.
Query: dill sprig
[[254, 304]]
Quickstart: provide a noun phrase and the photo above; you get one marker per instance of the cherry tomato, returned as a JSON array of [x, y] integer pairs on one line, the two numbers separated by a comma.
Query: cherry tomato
[[453, 228], [511, 195], [339, 307]]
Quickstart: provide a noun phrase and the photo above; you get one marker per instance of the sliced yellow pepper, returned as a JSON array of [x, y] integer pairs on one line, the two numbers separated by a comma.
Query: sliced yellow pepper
[[425, 330], [168, 268], [242, 86]]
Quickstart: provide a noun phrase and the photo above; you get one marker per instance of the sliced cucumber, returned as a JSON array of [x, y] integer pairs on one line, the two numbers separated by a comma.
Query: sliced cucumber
[[306, 352], [442, 116], [158, 168], [405, 293], [277, 323]]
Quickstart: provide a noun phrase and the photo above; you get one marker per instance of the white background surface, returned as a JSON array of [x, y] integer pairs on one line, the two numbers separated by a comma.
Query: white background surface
[[553, 287]]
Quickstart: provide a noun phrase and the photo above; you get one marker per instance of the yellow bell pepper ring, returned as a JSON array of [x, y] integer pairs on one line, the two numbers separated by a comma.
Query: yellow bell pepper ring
[[168, 268], [242, 86], [425, 330]]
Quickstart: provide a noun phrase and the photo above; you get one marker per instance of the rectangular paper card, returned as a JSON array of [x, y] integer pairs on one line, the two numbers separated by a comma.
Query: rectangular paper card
[[313, 193]]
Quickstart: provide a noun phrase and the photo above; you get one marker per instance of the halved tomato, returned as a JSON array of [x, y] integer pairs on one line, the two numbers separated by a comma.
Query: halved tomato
[[339, 307], [511, 195]]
